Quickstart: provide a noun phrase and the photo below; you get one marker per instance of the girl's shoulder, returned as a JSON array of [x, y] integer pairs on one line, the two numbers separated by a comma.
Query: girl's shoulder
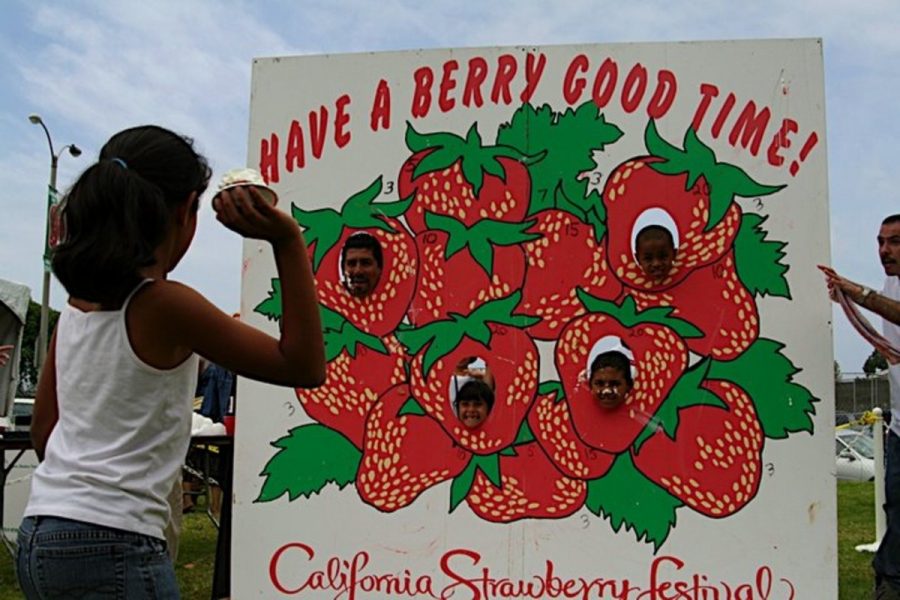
[[175, 307], [160, 318], [163, 293]]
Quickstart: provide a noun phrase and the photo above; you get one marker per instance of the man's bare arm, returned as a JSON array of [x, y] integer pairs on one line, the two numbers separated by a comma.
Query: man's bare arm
[[882, 305], [878, 303]]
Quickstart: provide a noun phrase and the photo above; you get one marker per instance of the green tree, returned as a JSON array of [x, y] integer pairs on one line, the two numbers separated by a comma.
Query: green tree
[[28, 375], [837, 371], [874, 363]]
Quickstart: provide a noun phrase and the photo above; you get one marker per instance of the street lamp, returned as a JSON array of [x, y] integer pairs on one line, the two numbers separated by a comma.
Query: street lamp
[[51, 195]]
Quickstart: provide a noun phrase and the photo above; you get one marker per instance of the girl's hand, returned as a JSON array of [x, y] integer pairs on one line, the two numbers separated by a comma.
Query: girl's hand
[[244, 210]]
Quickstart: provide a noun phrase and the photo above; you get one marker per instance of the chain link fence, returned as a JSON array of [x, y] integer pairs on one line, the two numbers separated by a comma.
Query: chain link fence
[[858, 392]]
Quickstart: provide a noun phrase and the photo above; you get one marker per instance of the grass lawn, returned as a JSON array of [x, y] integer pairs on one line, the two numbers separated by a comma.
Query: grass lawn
[[856, 525], [856, 521]]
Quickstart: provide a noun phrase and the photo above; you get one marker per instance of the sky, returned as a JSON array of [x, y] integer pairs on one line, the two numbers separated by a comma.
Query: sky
[[91, 68]]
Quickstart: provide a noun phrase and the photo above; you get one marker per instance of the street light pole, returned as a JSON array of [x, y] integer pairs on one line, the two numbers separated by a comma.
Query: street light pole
[[45, 292]]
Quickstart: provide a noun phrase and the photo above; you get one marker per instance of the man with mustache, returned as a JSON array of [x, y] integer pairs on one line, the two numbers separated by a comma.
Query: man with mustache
[[887, 305], [361, 263]]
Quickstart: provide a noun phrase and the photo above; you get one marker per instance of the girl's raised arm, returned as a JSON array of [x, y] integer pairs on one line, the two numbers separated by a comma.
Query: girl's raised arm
[[296, 359]]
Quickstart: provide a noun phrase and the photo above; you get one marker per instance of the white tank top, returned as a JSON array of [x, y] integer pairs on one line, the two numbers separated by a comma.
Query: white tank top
[[123, 430]]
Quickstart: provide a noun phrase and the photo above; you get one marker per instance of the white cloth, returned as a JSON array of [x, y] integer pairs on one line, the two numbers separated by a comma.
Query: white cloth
[[14, 298], [892, 333], [123, 429]]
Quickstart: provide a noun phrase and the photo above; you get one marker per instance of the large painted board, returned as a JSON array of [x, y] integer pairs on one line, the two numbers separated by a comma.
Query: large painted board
[[506, 187]]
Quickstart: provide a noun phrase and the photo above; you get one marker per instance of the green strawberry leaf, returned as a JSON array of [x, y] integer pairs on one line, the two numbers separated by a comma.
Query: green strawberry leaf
[[472, 172], [416, 338], [462, 483], [322, 230], [270, 308], [758, 261], [501, 312], [697, 160], [480, 238], [569, 140], [659, 146], [417, 142], [626, 497], [552, 387], [360, 210], [563, 203], [439, 338], [685, 393], [457, 232], [627, 314], [594, 215], [411, 407], [309, 458], [438, 160], [766, 374], [490, 466], [524, 435], [331, 320], [703, 156], [325, 226], [341, 335], [475, 158]]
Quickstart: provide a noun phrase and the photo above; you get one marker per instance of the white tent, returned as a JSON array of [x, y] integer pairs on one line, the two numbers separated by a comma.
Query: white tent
[[14, 298]]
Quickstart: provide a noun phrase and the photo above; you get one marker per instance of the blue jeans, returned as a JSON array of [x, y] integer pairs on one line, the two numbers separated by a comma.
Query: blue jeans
[[887, 559], [61, 558]]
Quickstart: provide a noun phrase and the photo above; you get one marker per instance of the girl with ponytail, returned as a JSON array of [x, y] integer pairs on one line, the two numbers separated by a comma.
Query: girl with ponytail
[[113, 409]]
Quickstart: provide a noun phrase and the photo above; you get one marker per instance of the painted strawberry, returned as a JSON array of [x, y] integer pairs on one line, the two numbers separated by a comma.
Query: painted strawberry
[[403, 454], [461, 178], [360, 368], [493, 333], [565, 256], [689, 185], [551, 424], [656, 341], [327, 231], [464, 267], [530, 487], [714, 462], [717, 303]]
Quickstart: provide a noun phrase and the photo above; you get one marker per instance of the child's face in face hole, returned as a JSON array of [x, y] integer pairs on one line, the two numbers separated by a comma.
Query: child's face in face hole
[[609, 387], [655, 256], [472, 412]]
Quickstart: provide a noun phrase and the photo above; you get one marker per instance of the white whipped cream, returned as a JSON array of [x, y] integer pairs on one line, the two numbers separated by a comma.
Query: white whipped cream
[[247, 176], [241, 176]]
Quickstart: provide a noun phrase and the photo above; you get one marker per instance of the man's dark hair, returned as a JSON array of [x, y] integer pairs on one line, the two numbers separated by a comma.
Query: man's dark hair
[[364, 241], [891, 220], [654, 231]]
